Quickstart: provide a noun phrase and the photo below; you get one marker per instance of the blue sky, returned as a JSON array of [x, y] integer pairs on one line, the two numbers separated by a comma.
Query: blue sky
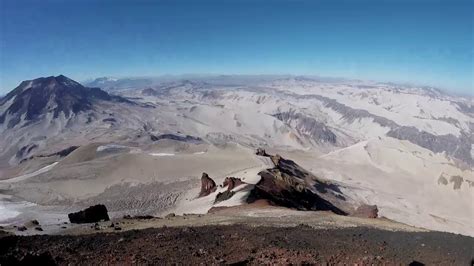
[[419, 41]]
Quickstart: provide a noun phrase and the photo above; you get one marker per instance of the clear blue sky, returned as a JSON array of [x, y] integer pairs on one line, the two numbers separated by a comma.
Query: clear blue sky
[[420, 41]]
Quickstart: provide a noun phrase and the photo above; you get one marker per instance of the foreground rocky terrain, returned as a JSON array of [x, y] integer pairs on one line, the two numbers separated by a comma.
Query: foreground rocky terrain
[[241, 245]]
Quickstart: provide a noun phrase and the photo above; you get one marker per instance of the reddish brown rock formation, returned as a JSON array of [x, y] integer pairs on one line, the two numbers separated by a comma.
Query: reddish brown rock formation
[[232, 182], [207, 185], [366, 211]]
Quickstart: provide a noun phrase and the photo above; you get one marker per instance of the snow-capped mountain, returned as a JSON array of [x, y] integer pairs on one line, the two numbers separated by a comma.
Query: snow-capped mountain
[[33, 99], [42, 109]]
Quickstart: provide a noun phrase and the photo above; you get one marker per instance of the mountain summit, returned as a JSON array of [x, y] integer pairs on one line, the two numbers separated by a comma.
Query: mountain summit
[[34, 98]]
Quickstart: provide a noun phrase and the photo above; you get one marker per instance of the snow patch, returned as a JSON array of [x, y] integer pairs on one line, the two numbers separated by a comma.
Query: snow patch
[[110, 147], [27, 176], [10, 209], [161, 154]]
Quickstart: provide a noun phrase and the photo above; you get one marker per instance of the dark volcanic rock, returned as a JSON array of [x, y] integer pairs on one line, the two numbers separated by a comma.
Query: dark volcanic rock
[[232, 182], [65, 152], [25, 150], [62, 153], [112, 120], [221, 196], [207, 185], [92, 214], [170, 215], [289, 185], [416, 263], [366, 211], [261, 152], [21, 228], [186, 138], [259, 245], [30, 259], [289, 195]]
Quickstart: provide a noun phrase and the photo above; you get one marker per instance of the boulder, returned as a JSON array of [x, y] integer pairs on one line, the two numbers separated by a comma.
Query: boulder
[[366, 211], [21, 228], [92, 214], [207, 185], [232, 182], [170, 215]]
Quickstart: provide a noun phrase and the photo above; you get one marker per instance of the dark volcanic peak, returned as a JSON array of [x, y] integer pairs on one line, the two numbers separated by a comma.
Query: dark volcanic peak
[[34, 98]]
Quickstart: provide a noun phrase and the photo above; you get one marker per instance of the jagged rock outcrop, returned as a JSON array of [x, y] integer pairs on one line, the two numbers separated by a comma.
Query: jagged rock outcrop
[[92, 214], [207, 185], [183, 138], [62, 153], [261, 152], [275, 159], [289, 185], [232, 182], [366, 211]]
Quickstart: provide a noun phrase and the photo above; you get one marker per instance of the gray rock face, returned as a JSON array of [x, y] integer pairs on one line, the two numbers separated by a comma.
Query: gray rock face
[[457, 147], [308, 126], [466, 108]]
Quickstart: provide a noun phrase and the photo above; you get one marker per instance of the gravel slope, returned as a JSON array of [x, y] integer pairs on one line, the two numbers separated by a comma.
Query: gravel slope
[[240, 244]]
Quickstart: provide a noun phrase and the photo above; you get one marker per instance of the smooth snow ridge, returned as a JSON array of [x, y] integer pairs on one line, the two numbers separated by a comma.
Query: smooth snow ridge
[[30, 175], [161, 154]]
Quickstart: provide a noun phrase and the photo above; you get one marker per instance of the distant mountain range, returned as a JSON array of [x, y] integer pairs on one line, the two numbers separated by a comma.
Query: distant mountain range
[[370, 107], [409, 150]]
